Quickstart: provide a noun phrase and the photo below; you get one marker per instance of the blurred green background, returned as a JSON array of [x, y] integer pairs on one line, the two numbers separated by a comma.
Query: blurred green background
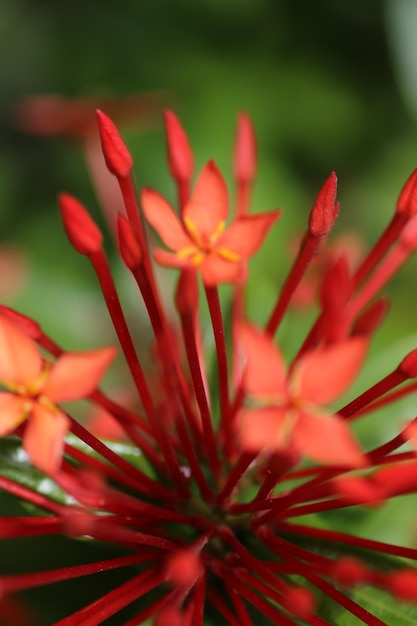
[[329, 85]]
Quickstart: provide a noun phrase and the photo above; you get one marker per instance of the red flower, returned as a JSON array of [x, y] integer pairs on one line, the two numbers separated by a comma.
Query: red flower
[[291, 404], [35, 386], [202, 529], [200, 238]]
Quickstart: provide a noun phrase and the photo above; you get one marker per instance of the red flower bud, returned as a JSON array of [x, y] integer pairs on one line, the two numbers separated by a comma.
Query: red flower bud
[[407, 200], [117, 156], [408, 365], [245, 152], [82, 232], [370, 319], [408, 237], [180, 156], [325, 210]]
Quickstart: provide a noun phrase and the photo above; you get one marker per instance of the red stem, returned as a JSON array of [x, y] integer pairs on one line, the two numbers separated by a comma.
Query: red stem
[[161, 434], [388, 237], [144, 482], [236, 474], [350, 410], [213, 301], [343, 600], [188, 333], [308, 250], [351, 540], [18, 582], [112, 602]]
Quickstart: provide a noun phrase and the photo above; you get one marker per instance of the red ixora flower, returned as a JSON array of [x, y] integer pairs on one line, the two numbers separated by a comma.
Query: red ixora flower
[[289, 411], [199, 239], [35, 386], [194, 518]]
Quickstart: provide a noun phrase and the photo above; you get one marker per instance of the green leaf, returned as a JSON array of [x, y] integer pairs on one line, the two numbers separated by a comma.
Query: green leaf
[[127, 451], [15, 465], [378, 602]]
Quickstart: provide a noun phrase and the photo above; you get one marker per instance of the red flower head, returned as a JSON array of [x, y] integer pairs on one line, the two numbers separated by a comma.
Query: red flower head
[[291, 410], [193, 512], [200, 238], [35, 386]]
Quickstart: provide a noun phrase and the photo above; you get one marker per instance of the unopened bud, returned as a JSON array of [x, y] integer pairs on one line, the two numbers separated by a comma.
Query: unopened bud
[[81, 230], [118, 158], [325, 210], [408, 365], [408, 237], [180, 156], [245, 152], [407, 200], [370, 319]]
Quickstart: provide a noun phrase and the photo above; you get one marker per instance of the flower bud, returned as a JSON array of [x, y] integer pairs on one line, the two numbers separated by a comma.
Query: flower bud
[[117, 156], [407, 200], [82, 232], [180, 156], [325, 209], [245, 153]]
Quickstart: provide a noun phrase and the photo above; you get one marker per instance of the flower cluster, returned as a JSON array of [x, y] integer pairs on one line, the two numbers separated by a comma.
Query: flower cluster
[[203, 511]]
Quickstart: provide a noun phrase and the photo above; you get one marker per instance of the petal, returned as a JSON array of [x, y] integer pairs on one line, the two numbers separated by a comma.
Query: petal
[[162, 217], [20, 359], [327, 439], [265, 373], [324, 374], [246, 234], [12, 412], [44, 438], [215, 270], [76, 374], [208, 206], [169, 259], [262, 428]]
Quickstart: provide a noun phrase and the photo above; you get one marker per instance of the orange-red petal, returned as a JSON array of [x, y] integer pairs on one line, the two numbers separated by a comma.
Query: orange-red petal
[[263, 428], [20, 359], [265, 372], [76, 374], [327, 439], [246, 234], [169, 259], [215, 270], [323, 375], [12, 412], [44, 438], [208, 205], [162, 217]]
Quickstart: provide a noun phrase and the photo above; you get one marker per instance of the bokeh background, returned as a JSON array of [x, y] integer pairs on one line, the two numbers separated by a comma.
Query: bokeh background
[[329, 85]]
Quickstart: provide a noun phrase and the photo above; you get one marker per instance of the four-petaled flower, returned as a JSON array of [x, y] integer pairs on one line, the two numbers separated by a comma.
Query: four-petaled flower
[[288, 406], [199, 239], [34, 386]]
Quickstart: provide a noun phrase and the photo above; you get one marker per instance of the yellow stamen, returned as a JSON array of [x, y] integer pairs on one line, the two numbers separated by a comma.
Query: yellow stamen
[[198, 258], [193, 231], [217, 231], [229, 255], [186, 253]]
